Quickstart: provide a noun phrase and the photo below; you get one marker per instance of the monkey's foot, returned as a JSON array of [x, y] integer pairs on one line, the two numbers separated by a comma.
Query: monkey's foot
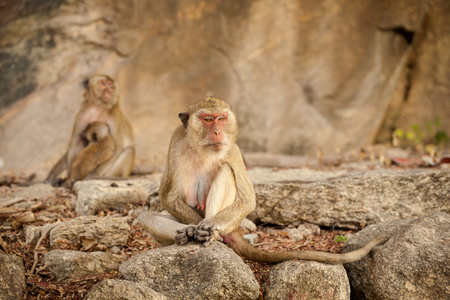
[[215, 237], [185, 235]]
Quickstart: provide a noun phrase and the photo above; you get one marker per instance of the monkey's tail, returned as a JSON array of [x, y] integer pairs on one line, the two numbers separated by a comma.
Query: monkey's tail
[[242, 247]]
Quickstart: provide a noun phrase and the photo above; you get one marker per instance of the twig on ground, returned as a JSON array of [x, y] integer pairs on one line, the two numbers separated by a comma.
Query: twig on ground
[[39, 243]]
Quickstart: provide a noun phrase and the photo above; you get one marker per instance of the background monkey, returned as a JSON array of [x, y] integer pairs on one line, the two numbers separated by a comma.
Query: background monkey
[[99, 148], [101, 104], [207, 191]]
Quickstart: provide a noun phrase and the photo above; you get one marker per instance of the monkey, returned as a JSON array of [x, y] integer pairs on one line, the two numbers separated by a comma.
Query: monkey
[[206, 190], [98, 148], [100, 104]]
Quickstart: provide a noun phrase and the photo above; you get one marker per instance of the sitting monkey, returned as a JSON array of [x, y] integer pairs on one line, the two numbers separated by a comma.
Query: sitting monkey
[[207, 191]]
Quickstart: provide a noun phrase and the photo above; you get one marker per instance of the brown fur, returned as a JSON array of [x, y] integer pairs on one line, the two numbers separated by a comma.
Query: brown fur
[[101, 104], [99, 148]]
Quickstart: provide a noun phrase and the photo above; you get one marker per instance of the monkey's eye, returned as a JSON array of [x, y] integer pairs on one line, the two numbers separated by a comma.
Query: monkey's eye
[[208, 119], [221, 118], [107, 83]]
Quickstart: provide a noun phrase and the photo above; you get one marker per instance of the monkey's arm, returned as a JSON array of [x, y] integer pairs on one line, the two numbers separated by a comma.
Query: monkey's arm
[[179, 209], [173, 200], [57, 169]]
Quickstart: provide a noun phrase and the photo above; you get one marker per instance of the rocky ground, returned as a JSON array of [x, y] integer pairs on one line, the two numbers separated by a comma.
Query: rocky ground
[[59, 206], [40, 284]]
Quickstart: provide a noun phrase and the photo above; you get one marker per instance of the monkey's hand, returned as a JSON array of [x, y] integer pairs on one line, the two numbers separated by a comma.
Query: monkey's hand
[[207, 232], [185, 235]]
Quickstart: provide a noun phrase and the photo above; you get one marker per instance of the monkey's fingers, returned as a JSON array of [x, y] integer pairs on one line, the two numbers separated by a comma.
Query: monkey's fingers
[[202, 235], [190, 231], [181, 239]]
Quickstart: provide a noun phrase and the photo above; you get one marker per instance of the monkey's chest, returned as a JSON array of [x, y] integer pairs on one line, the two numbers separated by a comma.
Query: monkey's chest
[[197, 190]]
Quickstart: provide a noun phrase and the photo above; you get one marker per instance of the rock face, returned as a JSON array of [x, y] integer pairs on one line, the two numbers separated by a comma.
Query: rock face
[[193, 272], [107, 231], [350, 200], [65, 264], [413, 264], [307, 280], [12, 277], [377, 65], [122, 290]]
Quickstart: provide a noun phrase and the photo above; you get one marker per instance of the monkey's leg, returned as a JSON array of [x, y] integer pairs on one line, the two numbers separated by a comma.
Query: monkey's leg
[[221, 195], [121, 166], [57, 169], [162, 226]]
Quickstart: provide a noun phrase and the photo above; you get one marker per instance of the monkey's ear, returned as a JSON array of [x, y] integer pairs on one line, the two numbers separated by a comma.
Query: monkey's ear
[[184, 117], [86, 83]]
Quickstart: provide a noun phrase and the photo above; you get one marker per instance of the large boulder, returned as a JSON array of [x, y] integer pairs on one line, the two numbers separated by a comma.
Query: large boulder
[[307, 280], [12, 277], [301, 76], [193, 272], [65, 264], [349, 200], [109, 289], [413, 264], [106, 231]]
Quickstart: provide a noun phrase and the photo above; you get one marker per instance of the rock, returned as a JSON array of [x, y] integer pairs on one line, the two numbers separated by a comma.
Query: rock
[[108, 231], [308, 229], [65, 264], [109, 289], [247, 225], [97, 195], [252, 238], [307, 280], [12, 277], [413, 264], [292, 93], [38, 191], [193, 272], [353, 201], [294, 233]]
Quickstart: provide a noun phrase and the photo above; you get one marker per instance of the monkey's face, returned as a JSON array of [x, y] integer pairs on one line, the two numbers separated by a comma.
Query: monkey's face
[[103, 89], [214, 125], [212, 131], [210, 125], [106, 90]]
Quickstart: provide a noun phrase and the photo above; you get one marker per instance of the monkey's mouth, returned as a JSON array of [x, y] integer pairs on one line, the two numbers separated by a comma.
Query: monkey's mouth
[[215, 145]]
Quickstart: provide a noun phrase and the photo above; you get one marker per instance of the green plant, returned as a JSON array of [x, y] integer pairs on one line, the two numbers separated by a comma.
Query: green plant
[[340, 238], [417, 136]]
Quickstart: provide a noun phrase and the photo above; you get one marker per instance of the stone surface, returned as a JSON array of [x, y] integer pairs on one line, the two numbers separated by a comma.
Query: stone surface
[[193, 272], [294, 233], [352, 200], [307, 280], [413, 264], [107, 231], [247, 225], [378, 65], [97, 195], [38, 191], [252, 238], [64, 264], [109, 289], [308, 228], [12, 277]]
